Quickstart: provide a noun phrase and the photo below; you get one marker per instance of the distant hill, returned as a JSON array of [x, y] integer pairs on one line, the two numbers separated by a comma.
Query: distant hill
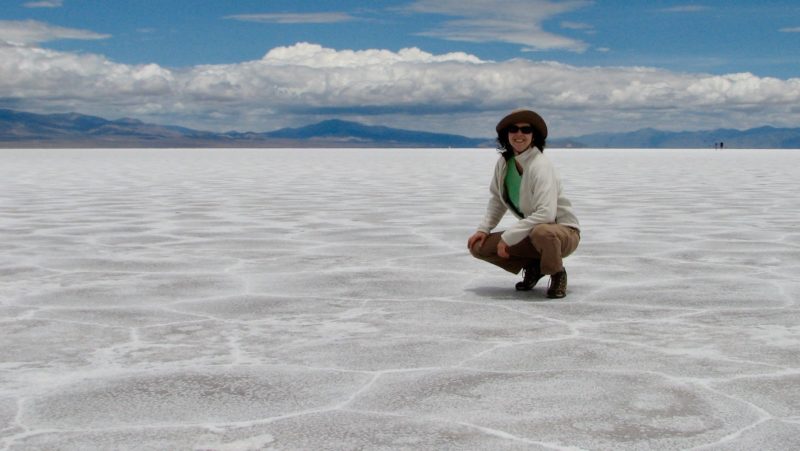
[[648, 138], [22, 129], [354, 133]]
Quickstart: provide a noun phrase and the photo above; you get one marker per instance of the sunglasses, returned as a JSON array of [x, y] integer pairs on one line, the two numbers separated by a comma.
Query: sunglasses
[[526, 129]]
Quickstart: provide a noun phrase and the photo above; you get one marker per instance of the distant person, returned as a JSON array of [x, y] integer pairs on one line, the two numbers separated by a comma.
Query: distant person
[[526, 183]]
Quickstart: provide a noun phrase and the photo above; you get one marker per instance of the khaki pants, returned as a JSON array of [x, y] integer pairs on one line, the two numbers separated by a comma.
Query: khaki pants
[[547, 243]]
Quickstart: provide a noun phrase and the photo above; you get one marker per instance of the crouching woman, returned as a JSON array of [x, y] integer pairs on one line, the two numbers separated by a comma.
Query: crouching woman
[[526, 183]]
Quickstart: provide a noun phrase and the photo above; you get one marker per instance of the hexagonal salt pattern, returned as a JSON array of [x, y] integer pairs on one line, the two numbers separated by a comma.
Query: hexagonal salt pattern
[[324, 299]]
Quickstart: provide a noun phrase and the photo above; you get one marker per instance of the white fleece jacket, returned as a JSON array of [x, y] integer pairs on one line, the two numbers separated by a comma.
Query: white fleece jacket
[[541, 198]]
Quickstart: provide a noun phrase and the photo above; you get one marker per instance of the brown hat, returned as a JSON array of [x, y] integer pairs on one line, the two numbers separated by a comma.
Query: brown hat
[[523, 116]]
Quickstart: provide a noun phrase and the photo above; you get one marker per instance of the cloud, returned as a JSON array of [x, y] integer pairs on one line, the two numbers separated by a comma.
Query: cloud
[[514, 22], [411, 88], [44, 4], [790, 30], [308, 18], [34, 32], [576, 26], [685, 9]]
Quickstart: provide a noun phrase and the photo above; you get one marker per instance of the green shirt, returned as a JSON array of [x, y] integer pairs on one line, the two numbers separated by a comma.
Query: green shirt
[[513, 181]]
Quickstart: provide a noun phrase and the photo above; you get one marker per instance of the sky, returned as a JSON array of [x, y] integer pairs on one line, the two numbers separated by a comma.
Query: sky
[[445, 66]]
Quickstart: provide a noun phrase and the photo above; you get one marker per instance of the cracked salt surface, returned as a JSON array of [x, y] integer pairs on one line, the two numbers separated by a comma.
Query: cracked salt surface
[[324, 299]]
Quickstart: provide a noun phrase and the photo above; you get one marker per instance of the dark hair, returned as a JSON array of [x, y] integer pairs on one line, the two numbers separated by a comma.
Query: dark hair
[[504, 146]]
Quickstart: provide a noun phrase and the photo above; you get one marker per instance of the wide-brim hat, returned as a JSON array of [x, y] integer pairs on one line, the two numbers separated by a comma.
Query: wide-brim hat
[[524, 116]]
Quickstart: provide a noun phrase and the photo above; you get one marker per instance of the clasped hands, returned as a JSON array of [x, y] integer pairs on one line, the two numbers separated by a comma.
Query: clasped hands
[[478, 238]]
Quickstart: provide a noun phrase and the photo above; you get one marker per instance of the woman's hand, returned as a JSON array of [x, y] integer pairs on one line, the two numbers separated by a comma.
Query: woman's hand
[[502, 249], [477, 238]]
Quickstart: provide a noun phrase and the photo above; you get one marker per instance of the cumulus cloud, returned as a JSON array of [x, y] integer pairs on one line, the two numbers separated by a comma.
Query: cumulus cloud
[[453, 92], [314, 55], [790, 30], [34, 32], [42, 76], [514, 21]]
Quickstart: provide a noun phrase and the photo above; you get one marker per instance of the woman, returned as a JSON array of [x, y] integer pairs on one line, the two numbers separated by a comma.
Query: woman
[[526, 183]]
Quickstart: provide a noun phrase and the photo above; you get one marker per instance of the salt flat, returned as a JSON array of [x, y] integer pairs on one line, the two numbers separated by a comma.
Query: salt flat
[[325, 300]]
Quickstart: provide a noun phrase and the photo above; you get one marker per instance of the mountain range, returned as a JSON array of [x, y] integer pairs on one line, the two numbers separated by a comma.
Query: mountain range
[[29, 130]]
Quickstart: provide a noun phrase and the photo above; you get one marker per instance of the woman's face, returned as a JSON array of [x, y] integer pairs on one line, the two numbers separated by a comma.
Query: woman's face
[[520, 140]]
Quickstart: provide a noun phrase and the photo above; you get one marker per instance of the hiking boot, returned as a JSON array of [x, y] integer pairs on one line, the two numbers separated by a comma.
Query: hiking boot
[[532, 275], [558, 285]]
